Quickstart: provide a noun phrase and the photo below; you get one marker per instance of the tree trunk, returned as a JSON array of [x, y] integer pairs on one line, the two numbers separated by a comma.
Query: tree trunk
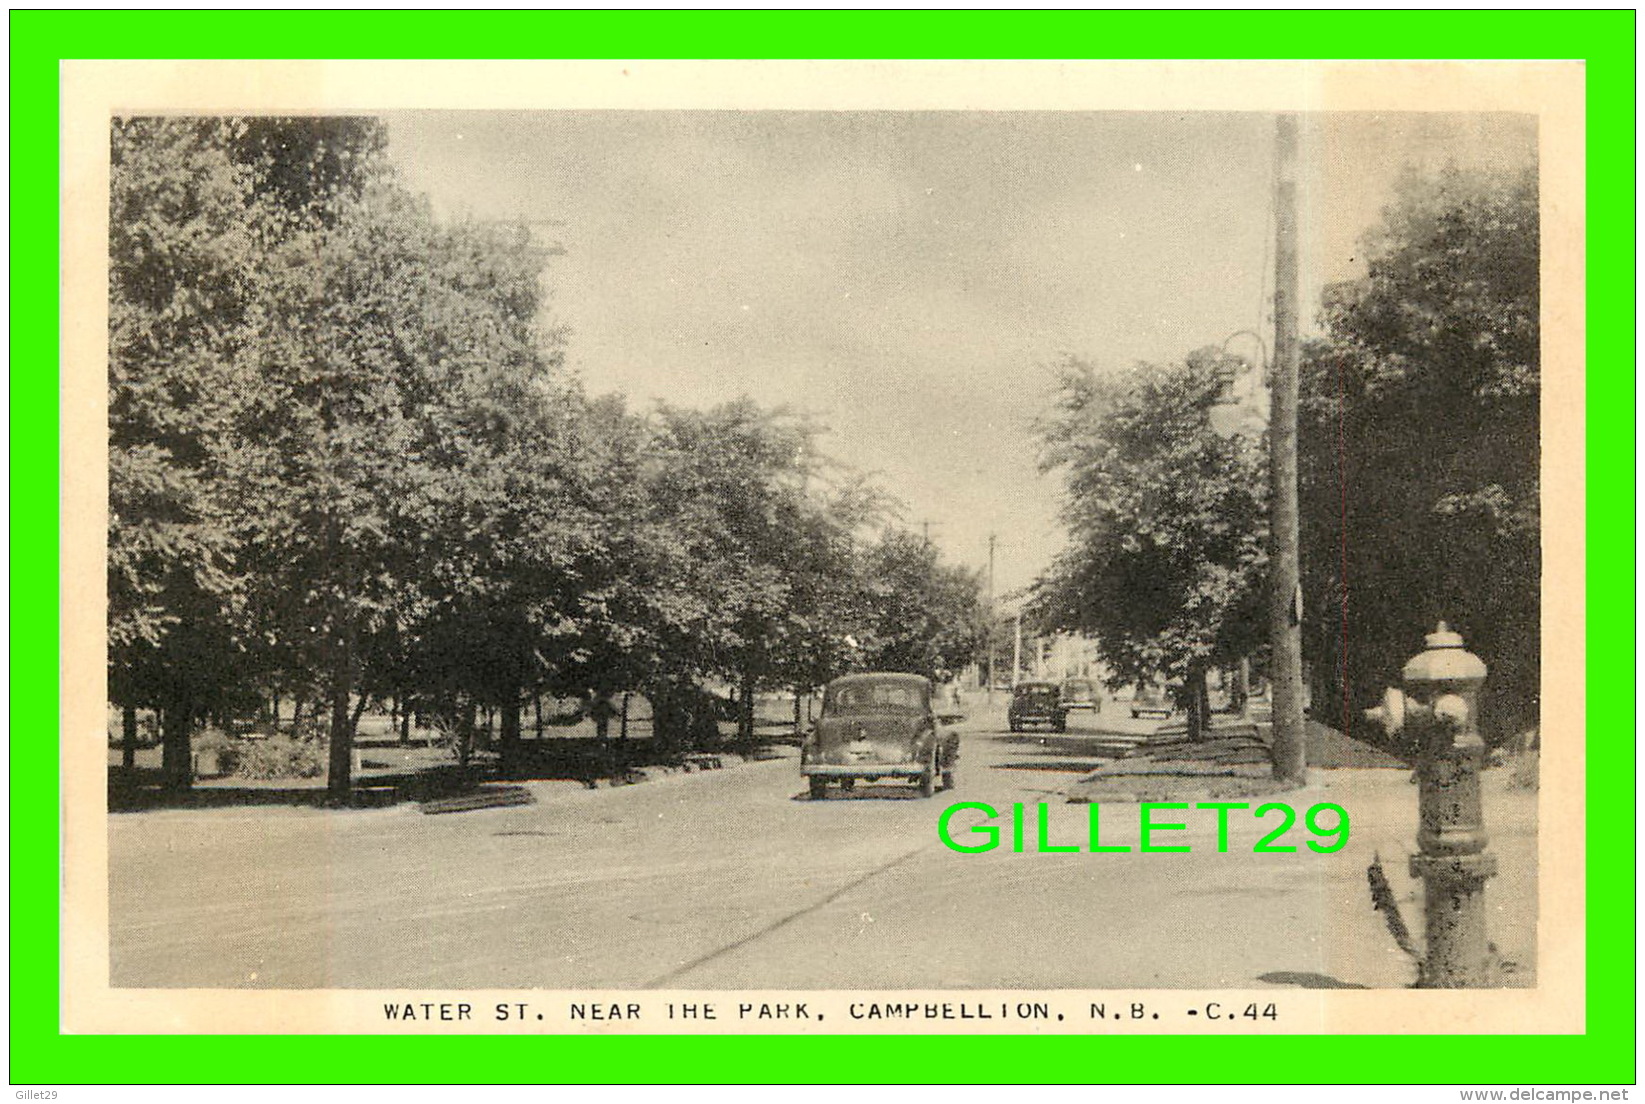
[[1196, 703], [661, 741], [511, 733], [670, 724], [537, 707], [176, 755], [340, 779], [405, 723], [297, 715], [465, 731], [745, 717], [359, 710], [128, 737], [705, 720], [799, 721]]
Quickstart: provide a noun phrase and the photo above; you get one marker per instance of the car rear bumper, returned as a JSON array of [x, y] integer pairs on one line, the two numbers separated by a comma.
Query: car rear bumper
[[863, 770]]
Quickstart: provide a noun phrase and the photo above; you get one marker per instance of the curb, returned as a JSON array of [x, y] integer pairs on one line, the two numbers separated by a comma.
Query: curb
[[695, 763]]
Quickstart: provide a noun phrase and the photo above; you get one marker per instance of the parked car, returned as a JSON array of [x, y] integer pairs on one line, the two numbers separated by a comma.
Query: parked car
[[1081, 694], [1038, 703], [880, 725], [1151, 700]]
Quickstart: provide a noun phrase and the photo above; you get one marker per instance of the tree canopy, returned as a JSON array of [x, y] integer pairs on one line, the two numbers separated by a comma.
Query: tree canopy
[[1419, 446], [345, 465], [1165, 560], [1418, 455]]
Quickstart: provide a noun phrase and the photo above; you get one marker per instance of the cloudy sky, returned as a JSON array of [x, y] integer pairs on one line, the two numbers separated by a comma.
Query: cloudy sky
[[912, 278]]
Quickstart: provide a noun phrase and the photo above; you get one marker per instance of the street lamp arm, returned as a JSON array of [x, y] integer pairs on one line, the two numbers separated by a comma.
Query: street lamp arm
[[1230, 414], [1253, 335]]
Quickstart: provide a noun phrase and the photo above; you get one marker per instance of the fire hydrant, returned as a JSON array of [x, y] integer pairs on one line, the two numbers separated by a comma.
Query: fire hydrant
[[1438, 715]]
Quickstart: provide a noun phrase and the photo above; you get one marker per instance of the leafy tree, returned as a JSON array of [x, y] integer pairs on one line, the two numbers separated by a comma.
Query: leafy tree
[[534, 561], [195, 205], [398, 444], [739, 555], [1166, 562], [180, 248], [343, 466], [924, 616], [305, 166], [760, 548], [1419, 446]]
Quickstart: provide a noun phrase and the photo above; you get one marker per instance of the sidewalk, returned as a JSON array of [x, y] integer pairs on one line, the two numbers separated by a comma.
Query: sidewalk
[[1232, 759], [1378, 792]]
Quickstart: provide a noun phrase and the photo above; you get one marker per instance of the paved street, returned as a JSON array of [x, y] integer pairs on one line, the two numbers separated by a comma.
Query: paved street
[[734, 879]]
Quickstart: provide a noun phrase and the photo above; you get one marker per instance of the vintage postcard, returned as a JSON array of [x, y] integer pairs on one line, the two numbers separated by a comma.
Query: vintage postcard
[[823, 547]]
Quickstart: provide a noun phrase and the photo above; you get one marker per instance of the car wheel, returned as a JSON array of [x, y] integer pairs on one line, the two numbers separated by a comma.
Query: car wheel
[[928, 778], [819, 787], [947, 779], [1062, 724]]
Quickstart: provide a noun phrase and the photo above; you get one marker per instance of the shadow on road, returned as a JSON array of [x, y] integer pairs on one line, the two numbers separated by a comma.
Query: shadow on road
[[864, 791], [140, 790], [1073, 752], [1072, 766], [592, 762], [1303, 980]]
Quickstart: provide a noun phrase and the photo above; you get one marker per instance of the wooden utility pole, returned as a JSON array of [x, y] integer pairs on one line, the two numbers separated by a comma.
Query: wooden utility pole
[[1290, 748], [1016, 651], [993, 618]]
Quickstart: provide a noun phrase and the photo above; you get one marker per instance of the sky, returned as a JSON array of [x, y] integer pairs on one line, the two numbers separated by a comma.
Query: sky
[[912, 279]]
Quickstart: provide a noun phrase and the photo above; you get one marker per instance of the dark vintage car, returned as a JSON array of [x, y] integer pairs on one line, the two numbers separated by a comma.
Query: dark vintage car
[[1081, 694], [1037, 703], [877, 726]]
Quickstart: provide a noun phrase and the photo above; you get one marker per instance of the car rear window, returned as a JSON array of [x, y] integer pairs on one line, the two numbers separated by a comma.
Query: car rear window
[[876, 697]]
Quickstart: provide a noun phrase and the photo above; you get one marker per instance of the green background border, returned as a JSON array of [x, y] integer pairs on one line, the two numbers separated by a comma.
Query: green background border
[[39, 40]]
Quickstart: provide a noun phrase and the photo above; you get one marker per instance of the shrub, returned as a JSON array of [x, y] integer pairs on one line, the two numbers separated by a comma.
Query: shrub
[[1522, 757], [1525, 771], [215, 752], [314, 728], [279, 757]]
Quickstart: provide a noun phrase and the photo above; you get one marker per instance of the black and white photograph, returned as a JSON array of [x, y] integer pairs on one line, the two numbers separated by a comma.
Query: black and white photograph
[[809, 564]]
